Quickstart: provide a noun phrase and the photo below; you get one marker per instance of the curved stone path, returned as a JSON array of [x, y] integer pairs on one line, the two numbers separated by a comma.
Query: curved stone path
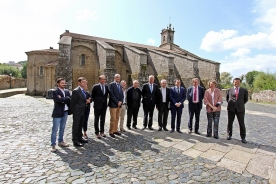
[[138, 156]]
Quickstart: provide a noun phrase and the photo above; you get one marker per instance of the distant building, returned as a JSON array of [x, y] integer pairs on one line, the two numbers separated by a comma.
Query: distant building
[[89, 56]]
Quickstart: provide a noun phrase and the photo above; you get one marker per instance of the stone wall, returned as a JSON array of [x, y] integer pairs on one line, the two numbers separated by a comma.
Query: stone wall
[[161, 64], [90, 68], [137, 61], [38, 82], [265, 96], [6, 82], [184, 69], [64, 69], [207, 71], [106, 54], [121, 66]]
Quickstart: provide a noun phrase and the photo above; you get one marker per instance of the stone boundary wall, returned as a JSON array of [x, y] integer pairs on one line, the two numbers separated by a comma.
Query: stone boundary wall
[[265, 96], [15, 83]]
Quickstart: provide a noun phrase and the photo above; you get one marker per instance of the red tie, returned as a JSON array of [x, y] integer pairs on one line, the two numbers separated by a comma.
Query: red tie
[[195, 92], [237, 92]]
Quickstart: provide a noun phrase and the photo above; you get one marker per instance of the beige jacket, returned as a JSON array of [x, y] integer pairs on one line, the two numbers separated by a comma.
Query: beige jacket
[[208, 99]]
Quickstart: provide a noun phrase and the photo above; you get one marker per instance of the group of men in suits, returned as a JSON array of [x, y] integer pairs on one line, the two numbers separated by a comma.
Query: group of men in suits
[[163, 98]]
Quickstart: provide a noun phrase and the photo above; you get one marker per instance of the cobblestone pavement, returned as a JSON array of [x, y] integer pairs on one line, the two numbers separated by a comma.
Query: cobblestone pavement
[[138, 156]]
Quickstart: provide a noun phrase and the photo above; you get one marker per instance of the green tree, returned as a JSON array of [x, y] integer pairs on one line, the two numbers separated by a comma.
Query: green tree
[[250, 77], [225, 80], [265, 81], [7, 70], [24, 71]]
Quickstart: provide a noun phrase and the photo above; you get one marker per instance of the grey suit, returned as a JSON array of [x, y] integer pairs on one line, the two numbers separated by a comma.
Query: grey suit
[[236, 107]]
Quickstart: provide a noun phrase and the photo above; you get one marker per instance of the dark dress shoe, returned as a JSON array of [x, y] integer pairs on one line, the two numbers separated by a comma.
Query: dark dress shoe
[[197, 132], [159, 129], [117, 133], [179, 131], [134, 127], [112, 135], [129, 128], [216, 137], [83, 141], [150, 128], [228, 137], [144, 128], [244, 141], [172, 131], [165, 129], [207, 135], [98, 136], [189, 131], [78, 144]]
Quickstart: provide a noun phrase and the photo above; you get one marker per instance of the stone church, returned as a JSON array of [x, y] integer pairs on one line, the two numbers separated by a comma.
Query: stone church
[[88, 56]]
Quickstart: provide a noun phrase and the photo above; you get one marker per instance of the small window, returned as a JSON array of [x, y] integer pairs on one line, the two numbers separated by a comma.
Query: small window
[[41, 70], [83, 60], [164, 38]]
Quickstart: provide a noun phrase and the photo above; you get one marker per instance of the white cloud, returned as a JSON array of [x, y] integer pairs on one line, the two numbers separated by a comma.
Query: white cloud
[[85, 14], [239, 66], [242, 60], [226, 40], [151, 41], [230, 40], [213, 41], [243, 52]]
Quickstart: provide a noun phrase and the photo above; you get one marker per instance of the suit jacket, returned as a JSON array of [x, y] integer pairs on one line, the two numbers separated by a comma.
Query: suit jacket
[[115, 95], [159, 98], [78, 102], [87, 97], [147, 95], [59, 103], [129, 95], [190, 96], [208, 99], [176, 98], [99, 99], [234, 103]]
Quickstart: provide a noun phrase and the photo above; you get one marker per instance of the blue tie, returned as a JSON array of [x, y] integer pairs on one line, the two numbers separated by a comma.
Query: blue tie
[[84, 94], [151, 88], [118, 86]]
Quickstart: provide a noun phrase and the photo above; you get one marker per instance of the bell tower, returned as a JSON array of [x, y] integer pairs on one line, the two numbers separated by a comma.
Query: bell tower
[[167, 35]]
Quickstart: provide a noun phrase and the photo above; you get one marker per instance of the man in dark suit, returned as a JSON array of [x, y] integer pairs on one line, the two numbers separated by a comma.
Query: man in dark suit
[[195, 96], [99, 96], [133, 104], [149, 92], [236, 98], [162, 105], [61, 97], [78, 106], [177, 98], [116, 98]]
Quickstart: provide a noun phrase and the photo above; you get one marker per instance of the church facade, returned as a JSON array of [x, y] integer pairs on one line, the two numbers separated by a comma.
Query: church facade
[[88, 56]]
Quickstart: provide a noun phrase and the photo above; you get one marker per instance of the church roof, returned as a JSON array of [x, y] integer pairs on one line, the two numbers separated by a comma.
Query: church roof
[[45, 51], [136, 45]]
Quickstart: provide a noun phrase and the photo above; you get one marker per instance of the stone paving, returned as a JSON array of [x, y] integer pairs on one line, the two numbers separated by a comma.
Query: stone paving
[[138, 156]]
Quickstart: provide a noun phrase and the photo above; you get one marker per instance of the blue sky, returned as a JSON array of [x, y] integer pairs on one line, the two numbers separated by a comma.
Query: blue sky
[[241, 35]]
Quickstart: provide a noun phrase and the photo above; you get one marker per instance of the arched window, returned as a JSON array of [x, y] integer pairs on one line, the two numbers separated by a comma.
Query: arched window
[[82, 60], [164, 38]]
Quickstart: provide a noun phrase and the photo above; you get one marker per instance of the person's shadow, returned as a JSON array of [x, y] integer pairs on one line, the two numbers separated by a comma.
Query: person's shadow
[[106, 151], [93, 154]]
